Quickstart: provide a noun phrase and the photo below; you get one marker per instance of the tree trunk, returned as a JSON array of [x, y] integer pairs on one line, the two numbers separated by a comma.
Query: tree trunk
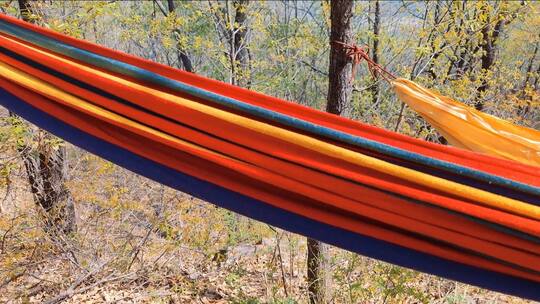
[[487, 60], [535, 84], [318, 276], [233, 31], [45, 168], [340, 70], [490, 36], [338, 102], [375, 48], [529, 70], [241, 51], [182, 55]]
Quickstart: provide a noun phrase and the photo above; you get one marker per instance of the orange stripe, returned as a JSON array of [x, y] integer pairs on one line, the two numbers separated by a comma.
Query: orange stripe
[[264, 143], [319, 195], [518, 172], [186, 163], [347, 190], [501, 252]]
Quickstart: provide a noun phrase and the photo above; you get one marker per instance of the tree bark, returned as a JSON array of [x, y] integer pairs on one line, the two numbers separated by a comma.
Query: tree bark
[[241, 51], [338, 102], [340, 70], [490, 36], [183, 57], [531, 62], [535, 84], [375, 48], [25, 10], [45, 168], [488, 58], [233, 30], [318, 276]]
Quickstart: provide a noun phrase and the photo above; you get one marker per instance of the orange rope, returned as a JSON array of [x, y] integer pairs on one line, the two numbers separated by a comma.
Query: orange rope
[[357, 54]]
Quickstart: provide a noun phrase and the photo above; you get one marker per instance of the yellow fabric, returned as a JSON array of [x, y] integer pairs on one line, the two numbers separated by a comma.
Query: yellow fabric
[[467, 128], [483, 197]]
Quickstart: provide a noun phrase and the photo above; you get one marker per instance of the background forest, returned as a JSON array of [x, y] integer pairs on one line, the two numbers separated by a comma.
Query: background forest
[[133, 240]]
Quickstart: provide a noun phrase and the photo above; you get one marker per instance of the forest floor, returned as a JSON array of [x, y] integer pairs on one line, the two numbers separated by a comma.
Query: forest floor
[[247, 273], [270, 269]]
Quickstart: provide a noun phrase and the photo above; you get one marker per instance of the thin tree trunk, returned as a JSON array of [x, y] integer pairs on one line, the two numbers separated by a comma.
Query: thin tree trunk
[[523, 110], [490, 37], [182, 55], [535, 84], [375, 48], [233, 30], [45, 168], [431, 38], [338, 102], [530, 66], [487, 61], [241, 51]]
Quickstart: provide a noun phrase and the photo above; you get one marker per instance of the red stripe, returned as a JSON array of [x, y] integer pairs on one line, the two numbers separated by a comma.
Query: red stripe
[[278, 148], [509, 169], [237, 182], [348, 199]]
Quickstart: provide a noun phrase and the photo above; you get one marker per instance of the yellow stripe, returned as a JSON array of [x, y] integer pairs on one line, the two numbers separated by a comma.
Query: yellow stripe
[[37, 85], [464, 191]]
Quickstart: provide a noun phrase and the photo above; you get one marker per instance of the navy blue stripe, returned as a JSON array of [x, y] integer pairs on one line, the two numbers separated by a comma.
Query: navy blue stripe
[[260, 211], [147, 76]]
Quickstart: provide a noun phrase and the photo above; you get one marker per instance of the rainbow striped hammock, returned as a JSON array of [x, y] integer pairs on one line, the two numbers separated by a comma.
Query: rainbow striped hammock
[[437, 209]]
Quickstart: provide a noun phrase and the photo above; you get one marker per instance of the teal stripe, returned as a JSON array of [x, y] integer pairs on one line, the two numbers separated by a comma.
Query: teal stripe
[[150, 77]]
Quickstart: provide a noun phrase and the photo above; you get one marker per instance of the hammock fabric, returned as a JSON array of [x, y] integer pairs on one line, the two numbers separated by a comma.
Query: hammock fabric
[[470, 129], [437, 209]]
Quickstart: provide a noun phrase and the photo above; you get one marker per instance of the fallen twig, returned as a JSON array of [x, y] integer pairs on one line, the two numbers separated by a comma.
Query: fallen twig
[[71, 292]]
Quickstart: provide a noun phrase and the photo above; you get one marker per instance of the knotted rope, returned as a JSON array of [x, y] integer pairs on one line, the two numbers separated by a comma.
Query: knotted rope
[[356, 54]]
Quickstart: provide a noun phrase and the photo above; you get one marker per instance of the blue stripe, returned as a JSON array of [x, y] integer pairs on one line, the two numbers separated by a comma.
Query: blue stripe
[[525, 197], [263, 212], [492, 188], [443, 174], [147, 76]]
